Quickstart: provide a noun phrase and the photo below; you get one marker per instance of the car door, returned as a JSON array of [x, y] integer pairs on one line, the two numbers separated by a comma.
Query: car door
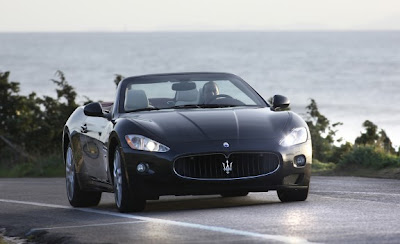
[[94, 152]]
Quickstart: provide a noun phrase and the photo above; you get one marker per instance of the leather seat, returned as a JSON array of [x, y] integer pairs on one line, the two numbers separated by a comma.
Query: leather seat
[[136, 99], [187, 97]]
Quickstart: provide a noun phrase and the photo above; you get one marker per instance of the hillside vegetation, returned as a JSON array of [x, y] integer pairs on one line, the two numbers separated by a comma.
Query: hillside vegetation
[[31, 131]]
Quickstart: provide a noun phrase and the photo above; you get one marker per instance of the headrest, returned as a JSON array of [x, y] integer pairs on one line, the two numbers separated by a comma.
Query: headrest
[[186, 96], [136, 99]]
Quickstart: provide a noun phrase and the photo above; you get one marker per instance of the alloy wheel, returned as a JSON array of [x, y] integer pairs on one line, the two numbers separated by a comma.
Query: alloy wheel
[[70, 174], [117, 178]]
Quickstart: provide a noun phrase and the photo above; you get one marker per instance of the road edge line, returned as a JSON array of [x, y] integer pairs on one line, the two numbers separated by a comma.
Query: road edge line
[[280, 238]]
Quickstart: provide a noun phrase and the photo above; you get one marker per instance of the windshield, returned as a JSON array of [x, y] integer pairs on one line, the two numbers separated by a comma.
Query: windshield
[[187, 91]]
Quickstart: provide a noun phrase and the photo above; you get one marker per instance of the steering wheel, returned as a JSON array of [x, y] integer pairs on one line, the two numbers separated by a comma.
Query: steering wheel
[[216, 97]]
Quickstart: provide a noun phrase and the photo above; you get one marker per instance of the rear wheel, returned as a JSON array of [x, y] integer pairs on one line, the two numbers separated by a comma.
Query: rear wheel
[[77, 197], [292, 195], [127, 200], [235, 194]]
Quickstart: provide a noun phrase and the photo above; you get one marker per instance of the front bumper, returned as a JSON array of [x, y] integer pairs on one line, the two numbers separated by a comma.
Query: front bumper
[[161, 178]]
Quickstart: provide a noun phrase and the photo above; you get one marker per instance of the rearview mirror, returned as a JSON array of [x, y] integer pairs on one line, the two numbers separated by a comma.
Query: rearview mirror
[[279, 101], [93, 109], [183, 86]]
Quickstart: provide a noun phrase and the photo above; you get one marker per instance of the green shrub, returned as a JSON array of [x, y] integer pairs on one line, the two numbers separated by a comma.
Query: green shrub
[[320, 167], [369, 157], [48, 166]]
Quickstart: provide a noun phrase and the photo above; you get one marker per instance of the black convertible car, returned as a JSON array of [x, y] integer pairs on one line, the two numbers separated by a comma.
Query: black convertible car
[[185, 134]]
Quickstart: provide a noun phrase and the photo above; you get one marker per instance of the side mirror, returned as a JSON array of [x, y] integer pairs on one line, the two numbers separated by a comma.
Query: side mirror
[[93, 109], [280, 102]]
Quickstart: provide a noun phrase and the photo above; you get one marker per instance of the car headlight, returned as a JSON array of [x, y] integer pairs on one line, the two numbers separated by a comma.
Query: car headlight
[[143, 143], [296, 136]]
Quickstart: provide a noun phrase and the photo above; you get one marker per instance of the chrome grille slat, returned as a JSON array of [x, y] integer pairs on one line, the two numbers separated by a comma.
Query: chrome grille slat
[[210, 166]]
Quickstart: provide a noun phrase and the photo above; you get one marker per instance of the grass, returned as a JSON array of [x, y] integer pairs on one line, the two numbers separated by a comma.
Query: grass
[[364, 161], [326, 169], [319, 168], [50, 166], [386, 173]]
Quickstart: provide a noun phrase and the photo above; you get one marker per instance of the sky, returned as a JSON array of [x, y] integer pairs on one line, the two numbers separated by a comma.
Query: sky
[[197, 15]]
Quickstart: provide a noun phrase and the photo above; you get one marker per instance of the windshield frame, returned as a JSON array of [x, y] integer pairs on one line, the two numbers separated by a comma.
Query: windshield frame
[[159, 78]]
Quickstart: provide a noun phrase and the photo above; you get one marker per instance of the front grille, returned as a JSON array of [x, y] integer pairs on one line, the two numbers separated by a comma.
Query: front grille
[[212, 166]]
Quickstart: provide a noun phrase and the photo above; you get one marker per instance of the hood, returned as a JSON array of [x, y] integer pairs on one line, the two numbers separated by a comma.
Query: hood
[[190, 125]]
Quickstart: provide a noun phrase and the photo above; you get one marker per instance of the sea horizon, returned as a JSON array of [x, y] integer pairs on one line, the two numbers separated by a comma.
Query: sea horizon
[[353, 75]]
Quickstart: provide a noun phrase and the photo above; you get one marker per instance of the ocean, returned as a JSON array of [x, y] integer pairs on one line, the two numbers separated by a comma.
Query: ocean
[[353, 76]]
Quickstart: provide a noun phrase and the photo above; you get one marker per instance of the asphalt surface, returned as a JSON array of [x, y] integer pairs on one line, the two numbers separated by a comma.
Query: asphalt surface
[[338, 210]]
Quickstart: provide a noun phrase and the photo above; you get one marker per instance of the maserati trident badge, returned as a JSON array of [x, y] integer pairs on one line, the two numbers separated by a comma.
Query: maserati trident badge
[[225, 144], [227, 166]]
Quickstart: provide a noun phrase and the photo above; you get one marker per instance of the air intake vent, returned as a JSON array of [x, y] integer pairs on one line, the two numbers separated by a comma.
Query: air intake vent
[[217, 166]]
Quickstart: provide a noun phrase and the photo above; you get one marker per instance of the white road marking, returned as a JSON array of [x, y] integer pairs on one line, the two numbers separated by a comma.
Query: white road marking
[[357, 200], [35, 204], [358, 192], [280, 238], [81, 226]]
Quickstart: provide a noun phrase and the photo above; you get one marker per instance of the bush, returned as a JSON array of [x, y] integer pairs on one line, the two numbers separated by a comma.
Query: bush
[[323, 134], [322, 168], [46, 166], [369, 157]]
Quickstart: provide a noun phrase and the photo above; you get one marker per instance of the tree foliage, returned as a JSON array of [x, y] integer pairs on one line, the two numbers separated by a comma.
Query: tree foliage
[[322, 133], [372, 148], [375, 137], [370, 136], [33, 123], [118, 78]]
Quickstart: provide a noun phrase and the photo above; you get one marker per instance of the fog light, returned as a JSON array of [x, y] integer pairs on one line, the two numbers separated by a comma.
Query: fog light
[[300, 160], [141, 168]]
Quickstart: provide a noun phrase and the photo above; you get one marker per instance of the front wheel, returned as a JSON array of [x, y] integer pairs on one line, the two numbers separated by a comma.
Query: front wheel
[[77, 197], [292, 195], [127, 200]]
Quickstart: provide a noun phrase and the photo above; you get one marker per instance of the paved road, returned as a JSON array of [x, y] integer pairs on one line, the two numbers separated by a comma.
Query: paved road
[[338, 210]]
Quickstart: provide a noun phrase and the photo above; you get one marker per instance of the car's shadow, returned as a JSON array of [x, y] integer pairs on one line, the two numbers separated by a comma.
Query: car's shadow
[[197, 203]]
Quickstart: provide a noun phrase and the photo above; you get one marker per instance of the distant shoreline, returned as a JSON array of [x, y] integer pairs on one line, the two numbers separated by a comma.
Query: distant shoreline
[[199, 31]]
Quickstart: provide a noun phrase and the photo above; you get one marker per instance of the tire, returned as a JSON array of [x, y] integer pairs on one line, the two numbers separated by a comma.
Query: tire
[[292, 195], [235, 194], [77, 197], [126, 200]]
